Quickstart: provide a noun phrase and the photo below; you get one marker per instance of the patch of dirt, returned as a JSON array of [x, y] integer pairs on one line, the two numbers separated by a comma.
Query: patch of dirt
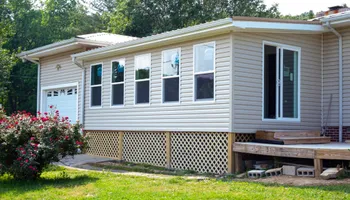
[[299, 181], [93, 167]]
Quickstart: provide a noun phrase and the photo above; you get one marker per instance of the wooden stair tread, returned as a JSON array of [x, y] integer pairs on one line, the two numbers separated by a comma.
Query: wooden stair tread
[[301, 138], [293, 137]]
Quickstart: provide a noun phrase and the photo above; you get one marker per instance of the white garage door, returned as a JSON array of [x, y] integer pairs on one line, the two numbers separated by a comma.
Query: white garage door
[[64, 100]]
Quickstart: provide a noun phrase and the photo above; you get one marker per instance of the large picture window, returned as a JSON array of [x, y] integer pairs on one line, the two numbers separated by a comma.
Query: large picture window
[[142, 78], [96, 85], [171, 75], [281, 82], [204, 71], [117, 82]]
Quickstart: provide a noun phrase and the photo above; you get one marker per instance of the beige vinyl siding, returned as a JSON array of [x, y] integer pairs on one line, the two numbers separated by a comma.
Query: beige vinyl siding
[[68, 73], [247, 81], [331, 77], [183, 116]]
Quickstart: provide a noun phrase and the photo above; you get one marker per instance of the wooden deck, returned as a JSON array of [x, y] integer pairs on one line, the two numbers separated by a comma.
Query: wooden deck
[[317, 152]]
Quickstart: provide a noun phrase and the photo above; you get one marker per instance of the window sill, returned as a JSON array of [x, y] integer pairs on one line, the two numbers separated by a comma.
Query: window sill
[[204, 101], [171, 103], [142, 104], [95, 107], [118, 106], [282, 120]]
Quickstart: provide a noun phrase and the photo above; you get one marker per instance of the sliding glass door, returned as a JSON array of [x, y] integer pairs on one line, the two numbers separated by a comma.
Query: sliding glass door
[[281, 82]]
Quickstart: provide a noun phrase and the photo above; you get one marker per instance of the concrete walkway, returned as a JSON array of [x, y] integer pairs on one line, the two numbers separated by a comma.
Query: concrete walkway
[[81, 159]]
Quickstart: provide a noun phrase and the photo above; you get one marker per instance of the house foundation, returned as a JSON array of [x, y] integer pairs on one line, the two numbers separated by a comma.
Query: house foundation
[[333, 132], [205, 152]]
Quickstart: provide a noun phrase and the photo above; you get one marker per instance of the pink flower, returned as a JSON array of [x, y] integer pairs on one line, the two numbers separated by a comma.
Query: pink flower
[[20, 158], [66, 118], [39, 113], [41, 127], [78, 143], [51, 106], [45, 113], [26, 160], [67, 137], [32, 138]]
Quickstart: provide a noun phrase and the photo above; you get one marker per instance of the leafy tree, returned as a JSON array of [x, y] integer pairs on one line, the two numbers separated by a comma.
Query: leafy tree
[[31, 24], [146, 17], [303, 16]]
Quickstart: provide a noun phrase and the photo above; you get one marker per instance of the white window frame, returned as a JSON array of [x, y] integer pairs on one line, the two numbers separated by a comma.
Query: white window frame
[[117, 83], [168, 77], [148, 79], [287, 47], [91, 86], [206, 72]]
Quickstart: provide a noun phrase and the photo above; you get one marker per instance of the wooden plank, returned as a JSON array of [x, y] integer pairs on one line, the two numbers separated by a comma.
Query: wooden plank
[[333, 154], [120, 145], [231, 140], [265, 135], [318, 165], [168, 149], [305, 140], [238, 163], [273, 150], [279, 134]]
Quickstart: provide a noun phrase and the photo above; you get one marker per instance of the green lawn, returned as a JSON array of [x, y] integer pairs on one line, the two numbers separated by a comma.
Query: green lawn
[[60, 183]]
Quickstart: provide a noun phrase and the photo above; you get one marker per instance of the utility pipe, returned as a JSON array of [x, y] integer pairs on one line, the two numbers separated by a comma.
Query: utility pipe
[[340, 41], [82, 89]]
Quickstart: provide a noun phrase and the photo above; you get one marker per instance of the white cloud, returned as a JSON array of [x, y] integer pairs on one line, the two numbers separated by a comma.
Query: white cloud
[[295, 7]]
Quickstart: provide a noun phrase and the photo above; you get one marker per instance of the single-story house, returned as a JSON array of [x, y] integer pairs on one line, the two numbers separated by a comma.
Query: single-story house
[[181, 98]]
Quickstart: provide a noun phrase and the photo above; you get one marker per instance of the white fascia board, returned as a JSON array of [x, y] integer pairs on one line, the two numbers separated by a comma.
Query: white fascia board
[[338, 22], [268, 26]]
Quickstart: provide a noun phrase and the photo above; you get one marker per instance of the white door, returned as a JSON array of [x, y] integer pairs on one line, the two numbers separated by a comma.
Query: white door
[[64, 100]]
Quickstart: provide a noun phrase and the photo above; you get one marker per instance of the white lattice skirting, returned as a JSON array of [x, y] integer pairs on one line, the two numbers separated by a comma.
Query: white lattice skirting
[[199, 151]]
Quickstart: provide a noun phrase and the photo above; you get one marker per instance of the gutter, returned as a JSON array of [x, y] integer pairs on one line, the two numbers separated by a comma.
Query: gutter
[[340, 41], [82, 89]]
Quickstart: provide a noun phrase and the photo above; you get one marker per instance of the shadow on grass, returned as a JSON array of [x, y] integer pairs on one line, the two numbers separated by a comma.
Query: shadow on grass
[[56, 180]]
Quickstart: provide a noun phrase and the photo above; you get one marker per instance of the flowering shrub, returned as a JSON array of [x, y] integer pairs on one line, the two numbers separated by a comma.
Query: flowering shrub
[[29, 143]]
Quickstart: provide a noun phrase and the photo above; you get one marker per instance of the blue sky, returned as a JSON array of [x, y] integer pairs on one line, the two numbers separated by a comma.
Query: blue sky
[[295, 7]]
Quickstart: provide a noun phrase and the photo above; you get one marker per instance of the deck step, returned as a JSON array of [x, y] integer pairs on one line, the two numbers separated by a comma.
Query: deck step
[[293, 137], [279, 134], [305, 140]]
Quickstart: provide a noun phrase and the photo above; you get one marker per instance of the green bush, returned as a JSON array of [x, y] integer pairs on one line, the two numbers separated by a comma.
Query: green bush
[[29, 143]]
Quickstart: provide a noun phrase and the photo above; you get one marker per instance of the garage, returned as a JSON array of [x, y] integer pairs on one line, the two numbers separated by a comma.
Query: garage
[[64, 100]]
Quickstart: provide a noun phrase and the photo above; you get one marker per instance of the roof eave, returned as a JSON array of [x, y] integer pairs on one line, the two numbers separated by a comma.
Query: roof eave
[[278, 27], [224, 25], [59, 45]]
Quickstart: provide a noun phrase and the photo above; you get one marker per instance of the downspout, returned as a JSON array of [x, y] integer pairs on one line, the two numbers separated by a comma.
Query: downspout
[[38, 90], [82, 98], [340, 40], [323, 130], [38, 95]]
